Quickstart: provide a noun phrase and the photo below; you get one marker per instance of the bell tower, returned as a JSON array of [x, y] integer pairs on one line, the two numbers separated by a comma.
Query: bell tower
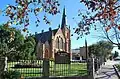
[[66, 32]]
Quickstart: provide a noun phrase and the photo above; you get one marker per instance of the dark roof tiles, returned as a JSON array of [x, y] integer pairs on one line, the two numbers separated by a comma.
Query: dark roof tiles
[[45, 36]]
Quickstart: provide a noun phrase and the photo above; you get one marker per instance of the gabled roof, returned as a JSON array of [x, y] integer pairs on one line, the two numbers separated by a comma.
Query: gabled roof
[[54, 31], [45, 36]]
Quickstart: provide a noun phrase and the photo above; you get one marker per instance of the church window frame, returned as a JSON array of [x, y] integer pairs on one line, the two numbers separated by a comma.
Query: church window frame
[[60, 43], [57, 42]]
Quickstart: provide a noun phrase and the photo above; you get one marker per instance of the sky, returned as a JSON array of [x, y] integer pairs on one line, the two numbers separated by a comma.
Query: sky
[[72, 7]]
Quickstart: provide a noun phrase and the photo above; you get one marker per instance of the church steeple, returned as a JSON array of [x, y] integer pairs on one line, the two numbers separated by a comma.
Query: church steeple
[[63, 19]]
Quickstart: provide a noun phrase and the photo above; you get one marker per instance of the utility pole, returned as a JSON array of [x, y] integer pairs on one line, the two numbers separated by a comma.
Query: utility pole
[[86, 49]]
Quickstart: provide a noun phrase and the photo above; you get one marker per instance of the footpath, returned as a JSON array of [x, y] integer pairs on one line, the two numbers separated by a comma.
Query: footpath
[[107, 71]]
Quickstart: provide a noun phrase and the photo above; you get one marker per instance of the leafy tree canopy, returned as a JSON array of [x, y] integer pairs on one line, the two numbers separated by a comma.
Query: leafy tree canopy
[[101, 48], [14, 45], [29, 48], [10, 41], [116, 54]]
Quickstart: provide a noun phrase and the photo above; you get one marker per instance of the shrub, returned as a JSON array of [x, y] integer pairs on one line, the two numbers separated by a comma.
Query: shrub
[[28, 64], [52, 59], [11, 75], [118, 67]]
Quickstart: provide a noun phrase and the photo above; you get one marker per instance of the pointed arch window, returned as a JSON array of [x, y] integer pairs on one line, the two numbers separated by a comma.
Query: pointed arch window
[[57, 43], [61, 43], [63, 46]]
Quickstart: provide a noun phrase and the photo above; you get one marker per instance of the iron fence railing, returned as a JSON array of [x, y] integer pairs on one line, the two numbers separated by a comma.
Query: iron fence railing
[[26, 67], [73, 69], [34, 68]]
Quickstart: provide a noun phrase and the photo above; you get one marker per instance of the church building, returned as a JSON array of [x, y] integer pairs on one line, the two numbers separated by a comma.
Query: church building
[[53, 41]]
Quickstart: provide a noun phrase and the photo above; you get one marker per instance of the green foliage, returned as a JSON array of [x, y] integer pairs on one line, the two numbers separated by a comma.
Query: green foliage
[[110, 57], [116, 54], [29, 48], [52, 59], [11, 40], [11, 75], [101, 48], [118, 66], [14, 45]]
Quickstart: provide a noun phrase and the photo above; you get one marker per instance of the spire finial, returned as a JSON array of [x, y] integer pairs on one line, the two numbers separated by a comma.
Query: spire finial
[[63, 18]]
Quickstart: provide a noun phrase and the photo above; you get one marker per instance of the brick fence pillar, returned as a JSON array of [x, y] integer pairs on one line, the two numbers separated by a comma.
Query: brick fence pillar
[[46, 68]]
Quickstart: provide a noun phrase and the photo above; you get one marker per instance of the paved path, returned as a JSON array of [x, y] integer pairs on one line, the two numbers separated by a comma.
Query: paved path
[[107, 71]]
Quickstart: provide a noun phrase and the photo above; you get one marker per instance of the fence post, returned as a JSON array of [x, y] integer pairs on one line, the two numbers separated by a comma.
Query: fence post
[[46, 68], [5, 68], [54, 68], [93, 67], [3, 63], [90, 67]]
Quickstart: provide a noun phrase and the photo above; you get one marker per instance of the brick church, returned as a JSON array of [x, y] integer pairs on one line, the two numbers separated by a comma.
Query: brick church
[[53, 41]]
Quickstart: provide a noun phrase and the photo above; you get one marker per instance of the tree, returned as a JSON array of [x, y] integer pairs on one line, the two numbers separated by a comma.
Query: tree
[[101, 14], [101, 48], [15, 46], [29, 48], [10, 41], [116, 54], [20, 13]]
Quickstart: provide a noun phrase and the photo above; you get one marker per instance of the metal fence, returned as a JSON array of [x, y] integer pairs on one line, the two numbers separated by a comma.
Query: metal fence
[[34, 68], [26, 68], [72, 69]]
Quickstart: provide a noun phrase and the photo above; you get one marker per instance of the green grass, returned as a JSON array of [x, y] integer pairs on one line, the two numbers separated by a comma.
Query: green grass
[[61, 69], [118, 66]]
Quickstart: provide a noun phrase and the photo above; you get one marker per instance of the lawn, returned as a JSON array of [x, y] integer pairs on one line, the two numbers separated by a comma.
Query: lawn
[[55, 70]]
